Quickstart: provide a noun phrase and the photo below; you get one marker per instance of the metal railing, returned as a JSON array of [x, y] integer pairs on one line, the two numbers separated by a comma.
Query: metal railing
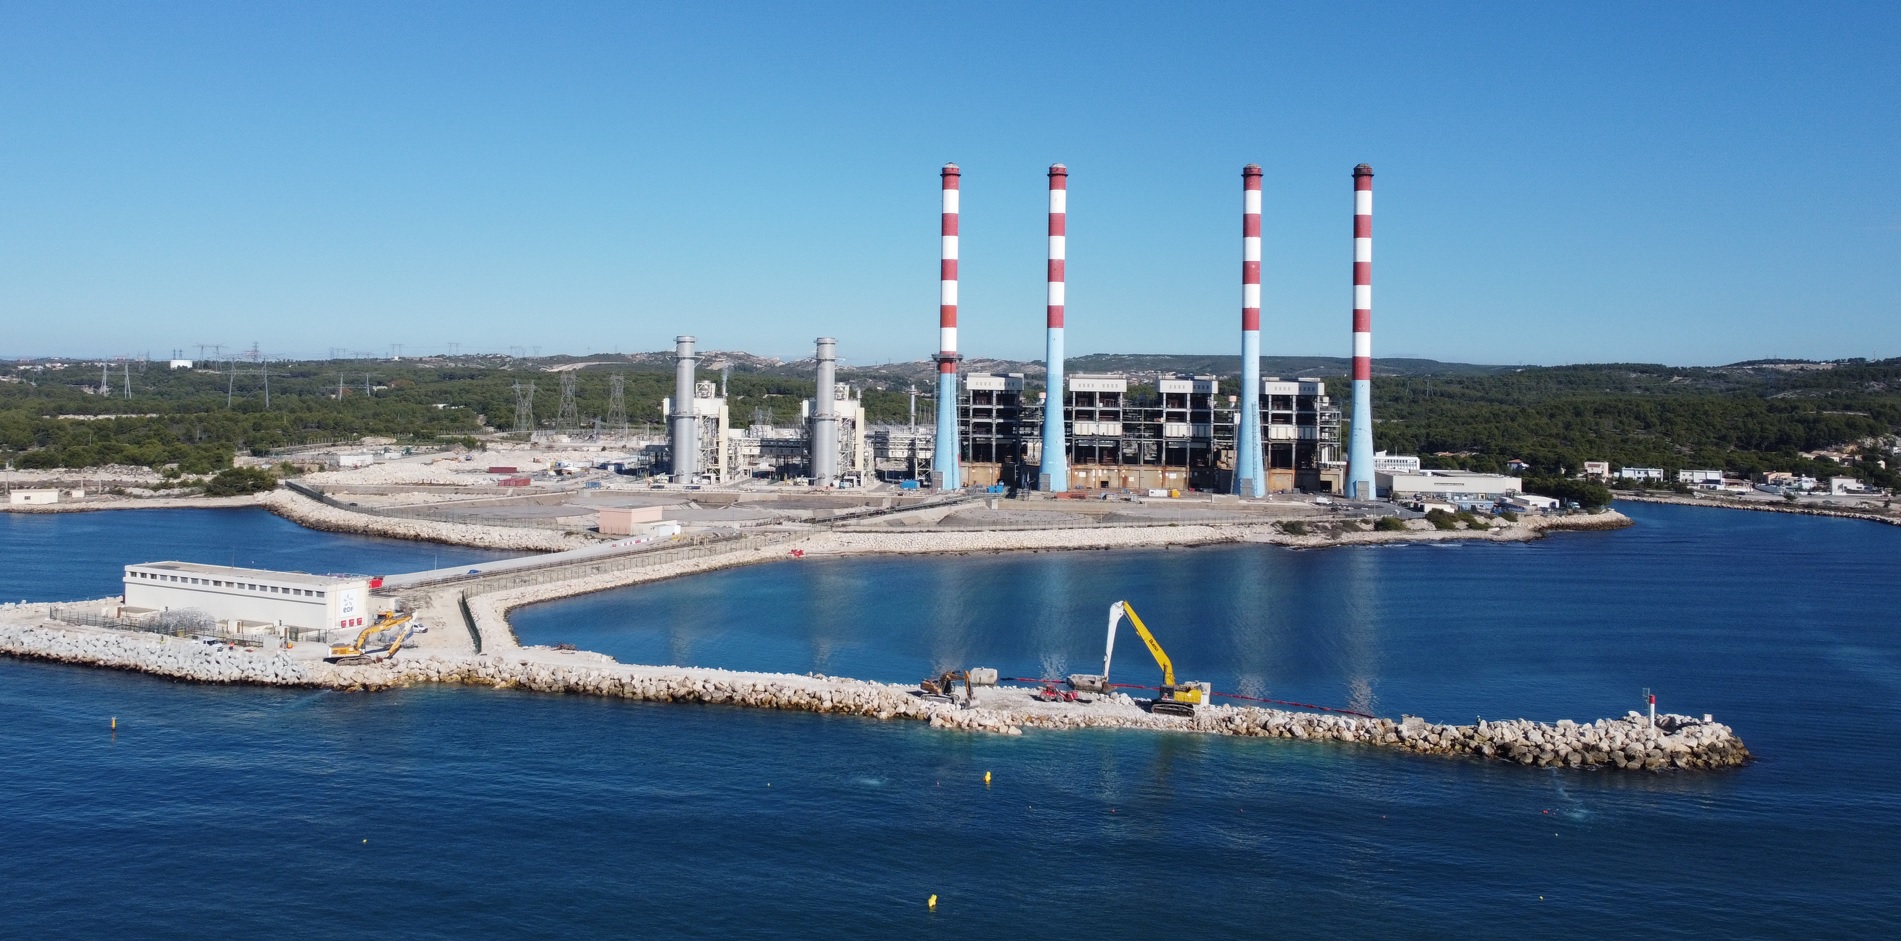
[[468, 621]]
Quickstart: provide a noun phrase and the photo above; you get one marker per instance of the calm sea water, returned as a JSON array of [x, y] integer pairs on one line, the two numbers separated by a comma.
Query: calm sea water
[[446, 813], [74, 556]]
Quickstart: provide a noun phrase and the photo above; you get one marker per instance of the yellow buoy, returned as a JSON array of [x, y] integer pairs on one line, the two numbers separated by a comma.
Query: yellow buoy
[[115, 722], [932, 902], [986, 777]]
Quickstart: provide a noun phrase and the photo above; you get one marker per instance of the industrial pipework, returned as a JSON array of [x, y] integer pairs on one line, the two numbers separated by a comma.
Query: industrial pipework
[[1250, 477], [825, 417], [1054, 473], [1360, 443], [685, 443], [944, 461]]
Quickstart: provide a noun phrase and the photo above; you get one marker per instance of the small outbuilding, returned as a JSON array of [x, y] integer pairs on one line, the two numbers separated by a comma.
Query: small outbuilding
[[628, 520]]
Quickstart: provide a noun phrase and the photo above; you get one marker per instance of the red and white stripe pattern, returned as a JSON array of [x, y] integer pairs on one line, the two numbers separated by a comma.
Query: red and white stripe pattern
[[1059, 241], [1251, 247], [1362, 273], [947, 288]]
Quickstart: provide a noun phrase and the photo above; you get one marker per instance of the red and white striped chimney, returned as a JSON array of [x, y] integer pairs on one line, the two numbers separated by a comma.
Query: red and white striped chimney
[[1250, 477], [1360, 484], [1053, 474], [945, 452]]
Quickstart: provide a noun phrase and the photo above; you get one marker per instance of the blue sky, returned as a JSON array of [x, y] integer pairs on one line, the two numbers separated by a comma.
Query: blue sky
[[1691, 183]]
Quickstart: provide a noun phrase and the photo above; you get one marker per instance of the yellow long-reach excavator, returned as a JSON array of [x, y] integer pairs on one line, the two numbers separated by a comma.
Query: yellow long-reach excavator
[[1175, 699], [379, 641]]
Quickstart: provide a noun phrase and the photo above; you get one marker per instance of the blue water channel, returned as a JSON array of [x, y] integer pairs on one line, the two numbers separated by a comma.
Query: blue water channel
[[451, 813]]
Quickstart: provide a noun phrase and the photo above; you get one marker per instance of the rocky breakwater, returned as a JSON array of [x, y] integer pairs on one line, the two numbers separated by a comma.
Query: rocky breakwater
[[1677, 742], [820, 694], [309, 513], [1630, 743], [160, 655]]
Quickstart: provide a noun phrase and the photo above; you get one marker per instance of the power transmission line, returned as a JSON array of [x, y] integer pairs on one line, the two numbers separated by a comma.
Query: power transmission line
[[617, 404], [568, 418], [524, 407]]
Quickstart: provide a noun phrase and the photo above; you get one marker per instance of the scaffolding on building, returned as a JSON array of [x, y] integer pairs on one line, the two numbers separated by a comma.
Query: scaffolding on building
[[1178, 434]]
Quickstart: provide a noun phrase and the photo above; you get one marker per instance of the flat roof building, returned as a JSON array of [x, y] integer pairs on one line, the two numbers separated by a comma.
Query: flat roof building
[[1455, 487], [258, 596], [1384, 463]]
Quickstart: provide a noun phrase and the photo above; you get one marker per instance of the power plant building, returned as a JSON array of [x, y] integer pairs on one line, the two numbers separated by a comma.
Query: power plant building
[[1178, 434], [700, 434]]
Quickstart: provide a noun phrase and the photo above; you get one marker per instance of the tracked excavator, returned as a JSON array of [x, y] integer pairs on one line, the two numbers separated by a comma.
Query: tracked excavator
[[939, 690], [1173, 699], [379, 641]]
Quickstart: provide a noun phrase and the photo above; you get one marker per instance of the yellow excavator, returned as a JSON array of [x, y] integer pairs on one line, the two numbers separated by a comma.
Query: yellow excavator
[[1174, 699], [942, 688], [379, 641]]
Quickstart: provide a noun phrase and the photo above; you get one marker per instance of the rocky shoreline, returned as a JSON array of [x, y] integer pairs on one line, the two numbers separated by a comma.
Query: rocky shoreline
[[94, 505], [1677, 742], [311, 514], [1762, 507]]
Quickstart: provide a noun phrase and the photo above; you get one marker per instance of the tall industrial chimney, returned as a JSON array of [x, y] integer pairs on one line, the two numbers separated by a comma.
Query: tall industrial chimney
[[1054, 475], [944, 460], [685, 442], [1250, 477], [1360, 444], [824, 461]]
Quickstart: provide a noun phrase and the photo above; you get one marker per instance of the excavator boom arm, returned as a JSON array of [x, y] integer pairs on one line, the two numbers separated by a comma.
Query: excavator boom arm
[[389, 620], [1155, 647]]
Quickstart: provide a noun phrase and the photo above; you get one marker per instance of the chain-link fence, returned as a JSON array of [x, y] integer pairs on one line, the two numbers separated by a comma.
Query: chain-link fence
[[186, 622]]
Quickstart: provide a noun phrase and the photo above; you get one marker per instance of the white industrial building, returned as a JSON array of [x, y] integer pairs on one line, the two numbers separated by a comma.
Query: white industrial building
[[1384, 463], [1845, 485], [848, 408], [716, 461], [1530, 502], [1640, 473], [1700, 477], [1459, 488], [244, 599]]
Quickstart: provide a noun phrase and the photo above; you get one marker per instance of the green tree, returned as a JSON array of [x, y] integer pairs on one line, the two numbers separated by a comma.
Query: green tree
[[236, 481]]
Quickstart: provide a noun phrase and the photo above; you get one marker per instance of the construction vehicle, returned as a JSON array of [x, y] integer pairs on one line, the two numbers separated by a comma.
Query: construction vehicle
[[940, 689], [379, 641], [1173, 699]]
